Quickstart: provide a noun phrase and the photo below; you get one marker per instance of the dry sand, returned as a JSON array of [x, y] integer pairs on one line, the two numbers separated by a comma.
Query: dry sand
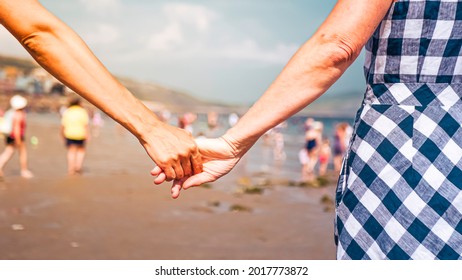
[[113, 211]]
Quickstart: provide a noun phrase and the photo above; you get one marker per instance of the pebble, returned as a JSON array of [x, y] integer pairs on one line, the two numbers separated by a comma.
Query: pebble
[[17, 227]]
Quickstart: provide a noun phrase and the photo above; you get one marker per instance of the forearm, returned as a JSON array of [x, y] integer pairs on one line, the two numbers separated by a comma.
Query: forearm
[[60, 51], [63, 53], [65, 56], [314, 68], [311, 71]]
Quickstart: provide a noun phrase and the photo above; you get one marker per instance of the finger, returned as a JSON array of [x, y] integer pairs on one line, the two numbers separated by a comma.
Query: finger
[[197, 180], [176, 188], [169, 173], [160, 179], [179, 173], [196, 162], [187, 167], [156, 171]]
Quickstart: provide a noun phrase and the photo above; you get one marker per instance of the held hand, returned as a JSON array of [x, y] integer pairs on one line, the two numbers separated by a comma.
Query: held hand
[[219, 157], [174, 151]]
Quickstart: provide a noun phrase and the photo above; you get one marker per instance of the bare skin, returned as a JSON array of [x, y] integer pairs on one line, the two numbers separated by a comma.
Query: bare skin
[[314, 68], [59, 50], [75, 154], [19, 145]]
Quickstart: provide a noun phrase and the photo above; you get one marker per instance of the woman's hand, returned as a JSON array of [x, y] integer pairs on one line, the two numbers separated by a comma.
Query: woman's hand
[[173, 150], [219, 156]]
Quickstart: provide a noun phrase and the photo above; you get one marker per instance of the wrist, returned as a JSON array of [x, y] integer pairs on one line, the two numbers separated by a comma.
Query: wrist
[[147, 128], [140, 121], [240, 144]]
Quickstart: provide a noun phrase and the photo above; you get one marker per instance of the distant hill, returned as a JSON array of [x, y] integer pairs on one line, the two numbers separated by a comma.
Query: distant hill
[[344, 104], [156, 93], [329, 105], [146, 91], [20, 63]]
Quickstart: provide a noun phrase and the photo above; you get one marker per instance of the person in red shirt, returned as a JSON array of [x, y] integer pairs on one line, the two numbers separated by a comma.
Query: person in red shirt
[[15, 139]]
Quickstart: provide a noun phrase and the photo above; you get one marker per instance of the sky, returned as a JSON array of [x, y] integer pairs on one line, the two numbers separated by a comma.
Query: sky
[[220, 50]]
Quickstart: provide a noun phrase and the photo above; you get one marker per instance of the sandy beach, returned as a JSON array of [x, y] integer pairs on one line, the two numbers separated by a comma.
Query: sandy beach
[[114, 211]]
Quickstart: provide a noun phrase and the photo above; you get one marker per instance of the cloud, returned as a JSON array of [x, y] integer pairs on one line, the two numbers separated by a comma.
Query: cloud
[[192, 31], [167, 39], [101, 34], [197, 16], [183, 20], [102, 6], [250, 50]]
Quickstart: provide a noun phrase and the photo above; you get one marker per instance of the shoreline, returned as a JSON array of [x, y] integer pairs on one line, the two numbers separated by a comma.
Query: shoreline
[[114, 211]]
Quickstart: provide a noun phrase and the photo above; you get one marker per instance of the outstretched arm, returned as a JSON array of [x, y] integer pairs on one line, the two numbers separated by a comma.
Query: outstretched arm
[[314, 68], [63, 53], [309, 73]]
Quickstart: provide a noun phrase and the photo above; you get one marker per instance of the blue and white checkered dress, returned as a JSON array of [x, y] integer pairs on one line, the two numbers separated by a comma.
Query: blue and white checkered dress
[[399, 195]]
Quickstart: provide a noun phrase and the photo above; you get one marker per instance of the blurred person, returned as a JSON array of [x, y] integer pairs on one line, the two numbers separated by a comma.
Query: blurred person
[[16, 120], [213, 125], [97, 122], [340, 144], [348, 134], [233, 118], [304, 161], [212, 120], [325, 153], [75, 132], [308, 124], [279, 154], [186, 122], [399, 195], [313, 138], [60, 51], [165, 115]]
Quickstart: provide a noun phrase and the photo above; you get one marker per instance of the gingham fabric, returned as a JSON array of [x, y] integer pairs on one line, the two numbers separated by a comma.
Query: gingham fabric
[[399, 195]]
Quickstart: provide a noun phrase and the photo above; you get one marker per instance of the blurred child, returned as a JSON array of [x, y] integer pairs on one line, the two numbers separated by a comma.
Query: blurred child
[[97, 123], [279, 153], [16, 119], [75, 131], [325, 153], [304, 161], [340, 144], [186, 121], [313, 138]]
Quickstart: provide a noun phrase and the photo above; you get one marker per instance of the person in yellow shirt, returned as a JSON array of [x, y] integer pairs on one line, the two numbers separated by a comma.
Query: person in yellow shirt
[[75, 131]]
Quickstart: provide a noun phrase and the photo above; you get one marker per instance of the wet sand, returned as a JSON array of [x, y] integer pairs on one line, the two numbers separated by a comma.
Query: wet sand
[[113, 211]]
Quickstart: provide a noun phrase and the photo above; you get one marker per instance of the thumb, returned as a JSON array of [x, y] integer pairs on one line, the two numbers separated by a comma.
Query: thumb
[[197, 180]]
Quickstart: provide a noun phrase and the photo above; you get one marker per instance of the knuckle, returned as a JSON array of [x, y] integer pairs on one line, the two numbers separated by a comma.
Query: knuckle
[[183, 154], [172, 159], [163, 162], [192, 146], [169, 159]]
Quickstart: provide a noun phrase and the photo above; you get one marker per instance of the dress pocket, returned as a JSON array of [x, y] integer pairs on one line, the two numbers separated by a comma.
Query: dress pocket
[[380, 151]]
